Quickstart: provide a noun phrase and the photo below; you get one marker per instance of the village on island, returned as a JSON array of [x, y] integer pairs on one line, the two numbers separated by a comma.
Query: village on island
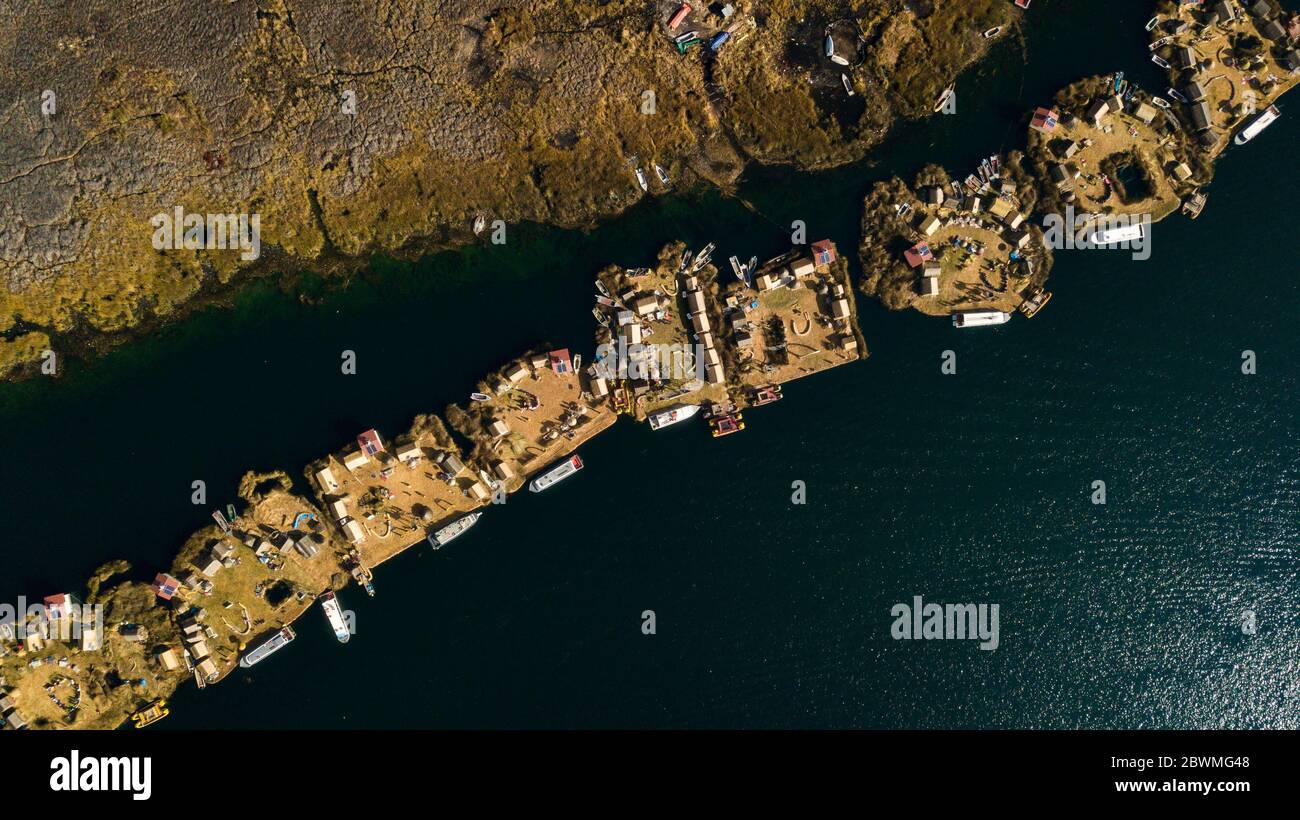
[[680, 337]]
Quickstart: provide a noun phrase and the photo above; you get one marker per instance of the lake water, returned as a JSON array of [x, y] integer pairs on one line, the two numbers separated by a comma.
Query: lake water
[[966, 488]]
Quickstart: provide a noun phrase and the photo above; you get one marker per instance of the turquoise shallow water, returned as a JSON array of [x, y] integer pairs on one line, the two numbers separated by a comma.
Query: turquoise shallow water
[[973, 487]]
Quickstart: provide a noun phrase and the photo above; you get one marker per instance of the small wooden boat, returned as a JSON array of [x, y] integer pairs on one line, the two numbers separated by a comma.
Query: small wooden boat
[[480, 397], [993, 32], [150, 714]]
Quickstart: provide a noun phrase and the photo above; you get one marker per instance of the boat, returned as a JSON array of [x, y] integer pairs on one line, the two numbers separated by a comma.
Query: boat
[[727, 424], [268, 647], [1257, 124], [1035, 303], [844, 78], [150, 714], [1153, 22], [979, 318], [221, 521], [603, 290], [690, 35], [334, 614], [662, 174], [986, 170], [479, 224], [973, 184], [678, 16], [1160, 102], [1119, 80], [601, 318], [454, 530], [1160, 61], [767, 394], [993, 161], [641, 180], [686, 258], [993, 32], [1173, 92], [943, 97], [672, 415], [1024, 4], [480, 397], [749, 268], [564, 469], [736, 268], [1160, 43]]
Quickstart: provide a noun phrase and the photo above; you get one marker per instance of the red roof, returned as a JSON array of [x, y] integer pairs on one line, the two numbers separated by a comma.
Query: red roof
[[370, 442], [165, 586], [560, 362], [1045, 119], [917, 254], [823, 252]]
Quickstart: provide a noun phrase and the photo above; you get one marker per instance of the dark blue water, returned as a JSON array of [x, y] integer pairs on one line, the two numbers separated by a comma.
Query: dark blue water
[[971, 487]]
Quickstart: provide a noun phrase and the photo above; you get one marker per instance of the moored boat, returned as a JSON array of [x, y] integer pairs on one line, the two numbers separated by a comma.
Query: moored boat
[[943, 98], [1257, 124], [564, 469], [979, 318], [641, 180], [277, 641], [767, 394], [993, 32], [1152, 23], [1160, 102], [454, 530], [480, 397], [150, 714], [661, 173], [727, 424], [334, 614], [1160, 61], [672, 415]]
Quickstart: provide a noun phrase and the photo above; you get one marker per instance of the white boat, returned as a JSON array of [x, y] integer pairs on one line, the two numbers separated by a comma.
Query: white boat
[[943, 98], [479, 224], [1160, 102], [268, 647], [1173, 92], [662, 174], [1152, 23], [641, 180], [993, 32], [1160, 61], [453, 530], [980, 318], [671, 415], [559, 472], [844, 78], [1261, 121], [737, 269], [334, 614]]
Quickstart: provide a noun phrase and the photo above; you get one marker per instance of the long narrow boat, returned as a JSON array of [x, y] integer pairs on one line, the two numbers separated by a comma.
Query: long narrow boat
[[268, 647], [334, 614], [672, 415], [1257, 124], [454, 530], [564, 469], [980, 318]]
